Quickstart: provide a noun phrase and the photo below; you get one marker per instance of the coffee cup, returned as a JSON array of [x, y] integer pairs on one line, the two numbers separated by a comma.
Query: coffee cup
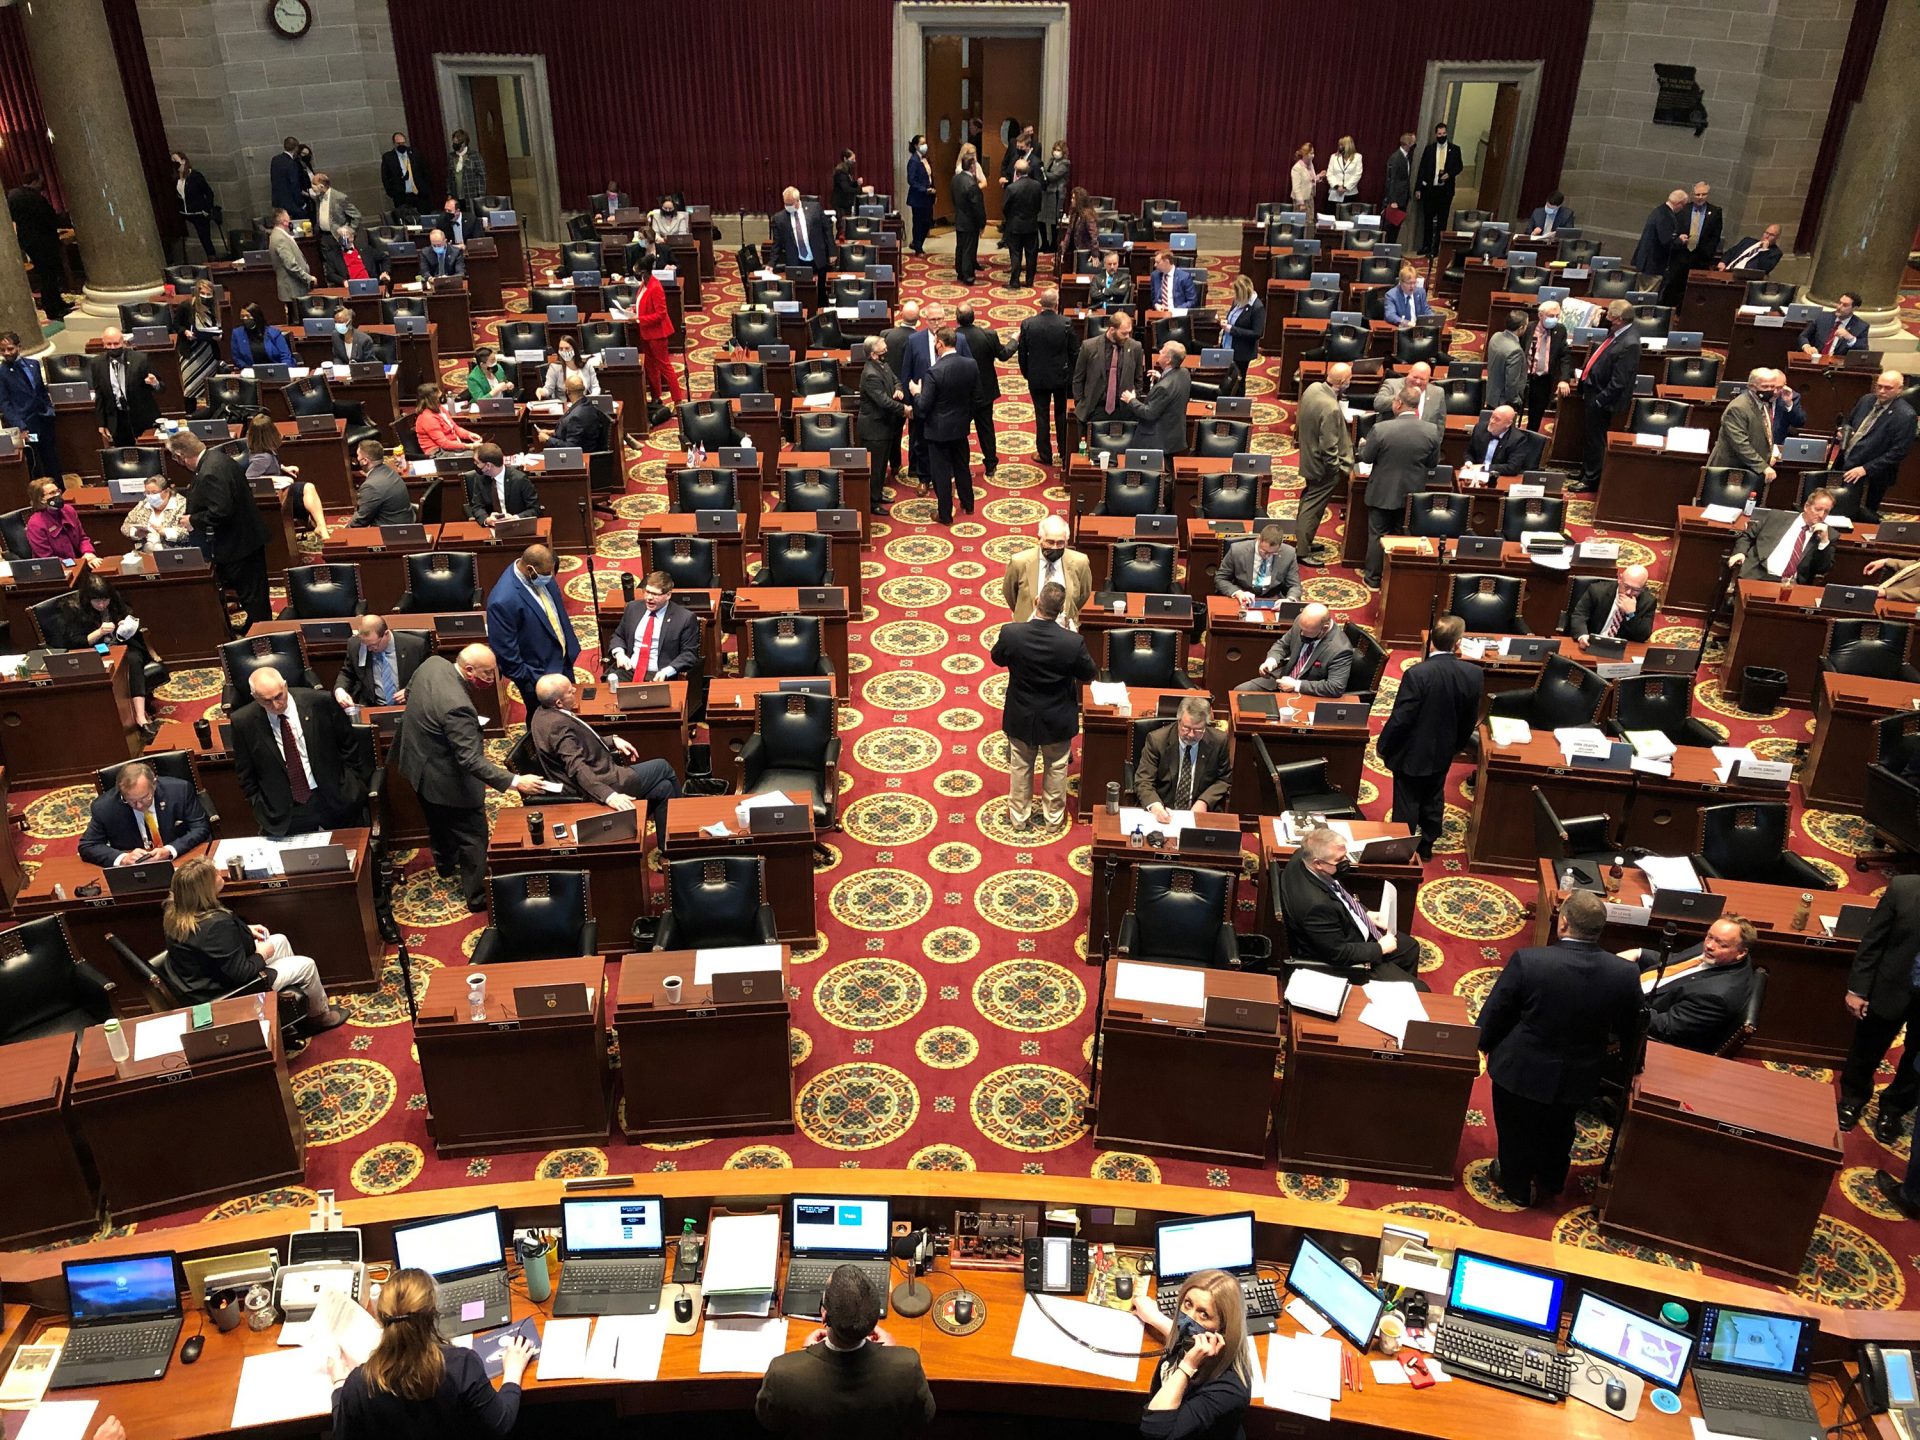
[[672, 986], [1392, 1331]]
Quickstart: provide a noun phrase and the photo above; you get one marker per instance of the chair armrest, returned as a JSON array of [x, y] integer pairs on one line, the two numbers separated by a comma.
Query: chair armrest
[[827, 578], [832, 761], [1226, 949], [752, 761], [1515, 704], [256, 986], [137, 963], [1826, 665], [1274, 871], [1129, 937], [404, 605], [1703, 867], [484, 949], [667, 937], [1808, 874], [206, 804], [590, 937], [1910, 674], [826, 666], [763, 922], [1267, 767], [93, 977]]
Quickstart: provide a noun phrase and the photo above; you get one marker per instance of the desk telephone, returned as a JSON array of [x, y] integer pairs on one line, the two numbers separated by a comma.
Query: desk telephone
[[1056, 1265]]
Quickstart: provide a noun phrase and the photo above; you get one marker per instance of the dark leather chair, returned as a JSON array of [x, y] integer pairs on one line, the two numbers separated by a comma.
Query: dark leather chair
[[323, 592], [1659, 702], [1147, 656], [1143, 567], [1369, 662], [764, 294], [407, 428], [1849, 498], [584, 253], [70, 369], [1176, 328], [1344, 342], [818, 376], [1129, 492], [171, 992], [1577, 249], [1438, 514], [580, 227], [824, 332], [1378, 270], [795, 748], [1182, 915], [1222, 439], [1416, 344], [1584, 843], [855, 256], [1653, 416], [1652, 320], [1488, 243], [599, 335], [738, 377], [1576, 588], [526, 759], [1566, 694], [394, 306], [185, 277], [1878, 648], [1543, 513], [231, 397], [796, 557], [439, 581], [1771, 293], [542, 298], [1229, 497], [1315, 304], [45, 987], [132, 462], [538, 915], [1525, 279], [1892, 804], [808, 489], [1729, 485], [145, 313], [431, 507], [1115, 437], [689, 559], [1464, 396], [708, 423], [42, 611], [699, 488], [1137, 733], [1749, 1022], [784, 646], [824, 432], [1302, 785], [312, 395], [1699, 370], [1609, 285], [1749, 842], [516, 335], [13, 533], [852, 289], [715, 903], [754, 327], [1291, 266], [285, 652]]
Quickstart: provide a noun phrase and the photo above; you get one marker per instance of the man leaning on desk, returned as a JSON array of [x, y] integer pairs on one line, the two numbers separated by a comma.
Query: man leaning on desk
[[1621, 609], [851, 1381], [1184, 765], [1264, 568], [1314, 657], [380, 661]]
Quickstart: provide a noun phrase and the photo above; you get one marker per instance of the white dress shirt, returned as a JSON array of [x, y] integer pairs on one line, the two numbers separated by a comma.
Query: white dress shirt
[[1777, 561], [299, 740]]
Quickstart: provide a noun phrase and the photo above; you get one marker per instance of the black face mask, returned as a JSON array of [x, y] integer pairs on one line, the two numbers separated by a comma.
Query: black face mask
[[1345, 866]]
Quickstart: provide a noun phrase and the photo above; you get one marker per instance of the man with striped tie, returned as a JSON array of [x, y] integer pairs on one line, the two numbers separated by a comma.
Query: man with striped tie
[[1616, 610], [527, 624], [1184, 766]]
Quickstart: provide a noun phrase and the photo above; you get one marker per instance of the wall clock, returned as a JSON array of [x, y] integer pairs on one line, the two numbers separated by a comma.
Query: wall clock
[[290, 17]]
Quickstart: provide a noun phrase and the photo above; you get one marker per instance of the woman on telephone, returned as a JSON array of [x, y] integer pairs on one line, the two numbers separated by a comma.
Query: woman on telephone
[[1201, 1387]]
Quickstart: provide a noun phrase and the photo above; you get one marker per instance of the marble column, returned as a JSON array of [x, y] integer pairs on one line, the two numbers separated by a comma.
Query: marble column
[[17, 311], [93, 144], [1873, 204]]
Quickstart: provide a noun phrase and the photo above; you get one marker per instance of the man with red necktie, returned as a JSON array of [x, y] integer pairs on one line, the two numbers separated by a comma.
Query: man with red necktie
[[657, 639], [1606, 380]]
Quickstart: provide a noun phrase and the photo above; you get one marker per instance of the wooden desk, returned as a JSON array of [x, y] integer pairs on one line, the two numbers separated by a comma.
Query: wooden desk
[[493, 557], [1207, 542], [616, 869], [1237, 641], [76, 437], [1098, 535], [519, 1080], [13, 478], [1828, 392], [1417, 575], [181, 612], [1641, 486], [1305, 737], [1106, 745], [1366, 879], [700, 1068], [58, 732], [164, 1134], [1712, 300], [844, 547], [786, 860], [1188, 471], [37, 1136], [1110, 844], [703, 605], [419, 356], [759, 601], [1697, 1124], [1155, 1057], [733, 715], [1401, 1113], [1779, 627], [1845, 710], [1760, 341]]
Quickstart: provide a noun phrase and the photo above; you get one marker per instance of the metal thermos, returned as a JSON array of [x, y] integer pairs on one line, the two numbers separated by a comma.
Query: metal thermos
[[536, 827]]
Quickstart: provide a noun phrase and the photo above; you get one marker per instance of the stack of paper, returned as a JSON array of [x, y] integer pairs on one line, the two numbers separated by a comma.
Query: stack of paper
[[1176, 987], [1069, 1343], [741, 1346], [623, 1347], [1391, 1005], [282, 1385], [1720, 514], [743, 1254], [1726, 756], [1669, 872], [1320, 992], [1303, 1374], [1688, 440], [1653, 744], [1554, 560], [1509, 731], [1107, 692]]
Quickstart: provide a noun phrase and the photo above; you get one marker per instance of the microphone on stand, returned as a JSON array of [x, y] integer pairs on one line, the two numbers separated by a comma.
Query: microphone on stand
[[913, 1297]]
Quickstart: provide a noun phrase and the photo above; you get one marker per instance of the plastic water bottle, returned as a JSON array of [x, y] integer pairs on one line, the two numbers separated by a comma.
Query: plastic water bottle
[[116, 1042], [1567, 883], [1748, 507]]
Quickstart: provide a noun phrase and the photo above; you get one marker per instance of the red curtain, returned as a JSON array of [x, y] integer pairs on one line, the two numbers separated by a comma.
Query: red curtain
[[23, 128], [1848, 85], [149, 133]]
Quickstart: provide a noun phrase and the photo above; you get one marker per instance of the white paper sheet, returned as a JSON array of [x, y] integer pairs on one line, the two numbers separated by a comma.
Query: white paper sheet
[[1389, 909], [733, 960], [743, 1252], [764, 801], [1319, 991], [1509, 731], [282, 1385], [1651, 744], [1415, 1275], [1720, 514], [59, 1420], [160, 1035], [1308, 1365], [1133, 817], [563, 1349], [1308, 1318], [741, 1346], [1669, 872], [1285, 1373], [1181, 988], [1724, 757], [1256, 1371], [624, 1347], [1390, 1372], [1107, 692], [339, 1322], [1038, 1339]]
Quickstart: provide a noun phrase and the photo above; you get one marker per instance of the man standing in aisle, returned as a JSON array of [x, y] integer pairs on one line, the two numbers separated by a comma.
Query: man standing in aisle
[[527, 623], [1046, 348], [1434, 716], [1326, 457], [1606, 380], [944, 404], [1440, 163], [1051, 562], [1046, 665], [221, 505]]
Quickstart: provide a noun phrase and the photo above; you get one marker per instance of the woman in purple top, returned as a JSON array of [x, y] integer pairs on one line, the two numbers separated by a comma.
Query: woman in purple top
[[54, 530]]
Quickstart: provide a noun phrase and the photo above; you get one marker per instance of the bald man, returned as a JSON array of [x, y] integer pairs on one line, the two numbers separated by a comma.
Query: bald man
[[1314, 657], [1660, 235], [607, 771], [1498, 446], [801, 238], [1618, 609], [1876, 437], [1052, 560]]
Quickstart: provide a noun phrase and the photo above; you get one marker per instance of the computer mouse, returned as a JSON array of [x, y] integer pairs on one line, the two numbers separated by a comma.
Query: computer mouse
[[190, 1351], [1123, 1287], [1616, 1395], [963, 1310], [683, 1309]]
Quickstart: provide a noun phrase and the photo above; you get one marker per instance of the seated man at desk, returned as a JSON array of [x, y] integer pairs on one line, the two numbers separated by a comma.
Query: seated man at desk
[[1620, 608], [145, 817], [658, 638], [1314, 657], [1328, 926], [1113, 285], [1700, 1009], [296, 759], [383, 493], [1498, 446], [1794, 546], [607, 772], [441, 258], [585, 424], [851, 1379], [380, 661], [1834, 332], [498, 491], [1407, 301], [1264, 568], [1184, 765]]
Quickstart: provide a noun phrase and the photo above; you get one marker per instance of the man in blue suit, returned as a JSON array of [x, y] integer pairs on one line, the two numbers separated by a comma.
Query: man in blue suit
[[1407, 301], [916, 363], [26, 405], [1747, 253], [442, 257], [290, 181], [1556, 214], [944, 401], [1835, 332], [145, 818], [527, 625], [1173, 287]]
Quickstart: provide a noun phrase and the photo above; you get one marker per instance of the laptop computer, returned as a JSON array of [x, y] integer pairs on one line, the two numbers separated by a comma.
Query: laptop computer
[[1750, 1374], [613, 1255], [123, 1317], [128, 882], [1387, 850], [467, 1259], [1213, 1242], [830, 1231], [1699, 906]]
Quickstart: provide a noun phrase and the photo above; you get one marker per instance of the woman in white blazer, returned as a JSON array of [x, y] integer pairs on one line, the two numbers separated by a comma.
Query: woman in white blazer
[[1343, 172]]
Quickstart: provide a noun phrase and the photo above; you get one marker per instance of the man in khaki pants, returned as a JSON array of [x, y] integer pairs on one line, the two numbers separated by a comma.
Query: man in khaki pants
[[1326, 457], [1051, 560], [1046, 666]]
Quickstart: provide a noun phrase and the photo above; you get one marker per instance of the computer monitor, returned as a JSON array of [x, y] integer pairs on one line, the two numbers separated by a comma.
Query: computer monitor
[[127, 1287], [1349, 1302], [611, 1228], [1206, 1242], [455, 1245], [1755, 1342], [1512, 1297], [840, 1225], [1631, 1340]]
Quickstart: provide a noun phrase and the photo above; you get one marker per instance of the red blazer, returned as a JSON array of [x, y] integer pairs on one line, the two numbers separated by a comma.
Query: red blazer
[[436, 430], [650, 311]]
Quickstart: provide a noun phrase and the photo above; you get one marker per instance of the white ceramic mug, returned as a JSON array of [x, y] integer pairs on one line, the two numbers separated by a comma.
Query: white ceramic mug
[[1392, 1331]]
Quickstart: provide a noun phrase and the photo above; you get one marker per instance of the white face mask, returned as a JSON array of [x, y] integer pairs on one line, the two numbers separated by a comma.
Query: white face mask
[[158, 502], [566, 353], [923, 149]]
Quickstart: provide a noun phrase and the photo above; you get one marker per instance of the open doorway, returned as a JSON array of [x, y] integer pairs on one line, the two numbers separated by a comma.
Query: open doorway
[[501, 101], [1489, 111]]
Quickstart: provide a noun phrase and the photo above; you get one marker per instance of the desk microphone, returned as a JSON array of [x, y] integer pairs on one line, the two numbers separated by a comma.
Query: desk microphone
[[912, 1297]]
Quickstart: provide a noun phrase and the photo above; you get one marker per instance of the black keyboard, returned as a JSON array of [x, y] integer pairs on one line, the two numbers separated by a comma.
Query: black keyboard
[[118, 1342], [612, 1277], [1762, 1397], [813, 1274], [489, 1289], [1536, 1368], [1260, 1295]]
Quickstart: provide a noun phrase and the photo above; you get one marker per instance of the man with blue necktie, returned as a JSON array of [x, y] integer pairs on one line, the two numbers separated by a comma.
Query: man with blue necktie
[[1185, 765], [380, 661], [27, 407], [527, 625], [801, 238], [441, 257], [1268, 568], [1407, 301]]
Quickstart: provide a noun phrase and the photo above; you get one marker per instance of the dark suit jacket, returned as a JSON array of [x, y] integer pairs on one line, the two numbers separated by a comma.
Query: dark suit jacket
[[433, 262], [1764, 532], [1402, 451], [1436, 711], [1883, 447], [1590, 612], [1322, 928], [1090, 374], [1245, 331], [1509, 455], [340, 788], [917, 357], [880, 416], [1883, 963], [1657, 239], [373, 255], [984, 347], [522, 640], [786, 248], [896, 338], [1329, 669], [1399, 189], [945, 401], [1046, 666], [1819, 330], [410, 648], [1608, 380], [36, 223], [679, 637], [1562, 219], [1700, 1010], [1020, 208], [969, 205], [112, 829], [383, 499], [394, 182], [289, 184], [575, 754], [585, 425], [221, 504], [361, 348], [878, 1392], [1547, 1022], [523, 501], [1707, 250], [1157, 775], [143, 401], [1162, 413], [1763, 260], [1047, 346], [1453, 164], [440, 750], [1242, 560]]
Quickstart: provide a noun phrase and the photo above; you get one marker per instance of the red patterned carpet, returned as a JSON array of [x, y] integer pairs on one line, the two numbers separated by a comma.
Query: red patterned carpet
[[942, 1017]]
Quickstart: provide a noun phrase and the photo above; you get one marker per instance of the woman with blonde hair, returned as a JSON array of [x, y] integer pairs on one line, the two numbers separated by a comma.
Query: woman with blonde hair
[[212, 951], [1305, 179], [416, 1385], [1245, 324], [968, 189], [1344, 167], [1202, 1386]]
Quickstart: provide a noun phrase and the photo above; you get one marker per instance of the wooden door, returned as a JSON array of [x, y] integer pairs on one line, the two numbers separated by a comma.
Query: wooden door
[[490, 133], [946, 76], [1007, 76], [1498, 156]]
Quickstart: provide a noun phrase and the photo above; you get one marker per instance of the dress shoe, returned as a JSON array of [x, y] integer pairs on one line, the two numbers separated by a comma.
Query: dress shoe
[[1850, 1113], [1895, 1194], [1426, 850], [1888, 1125], [1577, 487], [476, 906], [1500, 1184], [332, 1020]]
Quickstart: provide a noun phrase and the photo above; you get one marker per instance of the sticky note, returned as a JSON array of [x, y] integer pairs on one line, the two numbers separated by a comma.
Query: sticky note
[[472, 1310]]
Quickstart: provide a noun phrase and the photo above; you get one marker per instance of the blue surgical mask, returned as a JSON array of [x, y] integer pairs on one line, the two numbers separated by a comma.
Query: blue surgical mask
[[1550, 321], [339, 327]]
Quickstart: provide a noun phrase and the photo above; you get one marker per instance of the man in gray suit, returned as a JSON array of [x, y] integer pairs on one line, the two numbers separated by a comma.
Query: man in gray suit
[[442, 756], [1314, 657], [1422, 400], [1265, 568], [1162, 415], [1507, 364], [1745, 441], [383, 494], [331, 210], [1790, 545], [291, 277], [1402, 450], [1326, 455]]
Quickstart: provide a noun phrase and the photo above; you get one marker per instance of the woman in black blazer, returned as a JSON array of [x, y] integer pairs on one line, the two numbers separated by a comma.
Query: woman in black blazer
[[92, 613], [846, 186], [197, 206], [416, 1385], [1245, 323], [1201, 1387]]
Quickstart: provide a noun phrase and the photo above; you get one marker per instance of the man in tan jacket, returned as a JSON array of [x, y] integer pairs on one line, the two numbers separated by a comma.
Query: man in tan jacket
[[1049, 560], [1326, 456], [1904, 581], [1745, 441]]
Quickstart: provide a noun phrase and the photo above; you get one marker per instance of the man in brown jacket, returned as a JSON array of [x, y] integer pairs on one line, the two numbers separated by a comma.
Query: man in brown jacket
[[1050, 560], [1326, 456], [1745, 441]]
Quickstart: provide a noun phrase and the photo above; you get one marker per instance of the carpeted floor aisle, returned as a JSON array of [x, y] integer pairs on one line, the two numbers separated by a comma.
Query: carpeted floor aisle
[[942, 1017]]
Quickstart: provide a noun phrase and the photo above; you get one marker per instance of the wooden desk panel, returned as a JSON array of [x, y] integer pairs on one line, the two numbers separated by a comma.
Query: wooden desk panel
[[59, 733], [759, 601], [616, 869], [1107, 741], [1237, 641], [1110, 843], [1305, 737], [37, 1136], [1779, 627], [1417, 575], [1845, 711], [181, 612]]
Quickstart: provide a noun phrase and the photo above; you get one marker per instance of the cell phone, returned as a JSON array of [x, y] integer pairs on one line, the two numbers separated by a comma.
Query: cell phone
[[559, 832], [1418, 1373]]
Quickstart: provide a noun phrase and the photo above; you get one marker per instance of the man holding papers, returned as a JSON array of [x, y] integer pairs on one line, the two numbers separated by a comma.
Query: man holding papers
[[851, 1382], [1327, 925]]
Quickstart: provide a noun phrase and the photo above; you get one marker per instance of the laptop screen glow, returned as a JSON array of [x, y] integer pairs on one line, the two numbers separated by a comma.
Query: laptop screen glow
[[451, 1246], [612, 1226], [122, 1289], [841, 1225]]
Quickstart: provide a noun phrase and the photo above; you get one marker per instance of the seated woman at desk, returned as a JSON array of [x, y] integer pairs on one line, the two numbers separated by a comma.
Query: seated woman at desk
[[490, 375], [298, 496], [92, 613], [257, 343], [160, 519], [564, 362], [415, 1384], [212, 950], [54, 530], [668, 219], [1201, 1388], [435, 429]]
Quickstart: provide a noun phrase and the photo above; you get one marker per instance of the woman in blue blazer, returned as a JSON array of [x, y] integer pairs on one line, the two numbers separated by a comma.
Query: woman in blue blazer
[[919, 192], [257, 343], [1245, 323]]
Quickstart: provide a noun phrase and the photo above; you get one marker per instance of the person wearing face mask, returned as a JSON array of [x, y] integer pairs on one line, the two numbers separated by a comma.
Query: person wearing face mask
[[197, 205], [1327, 924], [383, 493], [222, 508], [566, 365], [919, 193], [1051, 562], [403, 176], [346, 254], [26, 404], [845, 185], [1303, 180], [801, 238], [1202, 1386], [654, 322], [668, 219], [1440, 163], [53, 529], [126, 392], [1434, 717], [466, 173], [255, 342], [1055, 173], [37, 224], [1549, 371], [453, 221], [527, 623], [196, 324], [969, 213], [434, 428], [1024, 146], [442, 256], [351, 344], [1745, 441], [497, 491], [490, 375], [160, 519], [605, 204]]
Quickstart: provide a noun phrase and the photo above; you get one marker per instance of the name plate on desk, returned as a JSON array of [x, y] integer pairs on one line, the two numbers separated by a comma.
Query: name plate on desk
[[1599, 550], [643, 697], [1338, 713], [757, 402], [563, 457], [837, 522], [403, 534], [1600, 755], [471, 625], [716, 522], [1617, 670], [1761, 772], [847, 457], [1769, 322], [325, 631], [1526, 491], [1618, 914]]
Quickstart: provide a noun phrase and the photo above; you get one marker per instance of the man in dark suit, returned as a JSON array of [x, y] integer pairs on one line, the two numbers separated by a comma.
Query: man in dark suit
[[985, 348], [1701, 1008], [944, 404], [1549, 373], [1434, 715], [1883, 994], [27, 405], [1020, 226], [297, 760], [1792, 545], [585, 424], [1327, 924], [1171, 286], [1046, 665], [1107, 367], [1402, 449], [37, 226], [1264, 568], [498, 491], [1696, 245], [608, 772], [440, 256], [221, 505], [1185, 765], [851, 1382], [346, 254], [1440, 163], [905, 325], [969, 219], [1606, 380], [1046, 348], [1878, 432], [1619, 609], [1545, 1029], [441, 754], [527, 623], [1556, 214], [882, 414], [1653, 255], [916, 363], [1314, 657], [383, 493], [403, 175], [1398, 197], [1832, 333], [126, 392], [1113, 285], [380, 663], [145, 817], [452, 221], [1747, 253], [1162, 414], [657, 638], [352, 345], [289, 181], [802, 239], [1497, 446]]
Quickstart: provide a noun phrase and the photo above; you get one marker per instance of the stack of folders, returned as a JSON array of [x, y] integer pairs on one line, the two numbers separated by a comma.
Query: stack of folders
[[1319, 992], [743, 1260]]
